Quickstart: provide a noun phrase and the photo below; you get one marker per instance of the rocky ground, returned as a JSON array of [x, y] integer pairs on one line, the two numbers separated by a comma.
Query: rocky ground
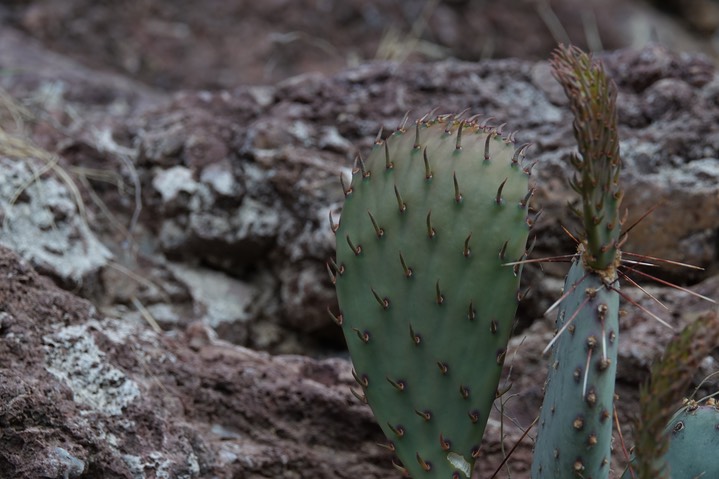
[[165, 185]]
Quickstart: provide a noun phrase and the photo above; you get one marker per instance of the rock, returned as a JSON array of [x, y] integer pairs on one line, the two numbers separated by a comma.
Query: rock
[[82, 394], [287, 174], [46, 223]]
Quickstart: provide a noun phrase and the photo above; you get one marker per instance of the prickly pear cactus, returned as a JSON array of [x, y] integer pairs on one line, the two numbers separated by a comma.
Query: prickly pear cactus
[[426, 302], [694, 441], [575, 424]]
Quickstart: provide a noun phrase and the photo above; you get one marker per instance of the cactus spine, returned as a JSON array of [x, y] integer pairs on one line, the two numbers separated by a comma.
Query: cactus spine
[[426, 303], [575, 424]]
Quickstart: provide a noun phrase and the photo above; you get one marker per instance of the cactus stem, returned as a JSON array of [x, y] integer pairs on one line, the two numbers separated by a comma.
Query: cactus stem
[[337, 319], [362, 398], [444, 443], [443, 368], [458, 144], [345, 189], [439, 298], [431, 232], [378, 139], [498, 198], [426, 415], [333, 276], [417, 145], [416, 338], [384, 302], [486, 147], [464, 391], [457, 193], [398, 385], [389, 446], [427, 169], [427, 466], [355, 249], [403, 470], [378, 231], [387, 160], [402, 205]]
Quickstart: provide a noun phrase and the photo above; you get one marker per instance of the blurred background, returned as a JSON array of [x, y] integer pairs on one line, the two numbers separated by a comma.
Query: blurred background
[[214, 44]]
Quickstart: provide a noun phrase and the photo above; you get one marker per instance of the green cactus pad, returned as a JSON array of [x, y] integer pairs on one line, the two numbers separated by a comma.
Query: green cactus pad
[[693, 434], [575, 425], [427, 305], [694, 442]]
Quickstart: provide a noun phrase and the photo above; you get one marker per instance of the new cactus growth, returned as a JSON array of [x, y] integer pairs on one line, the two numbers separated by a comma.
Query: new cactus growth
[[575, 424], [426, 302]]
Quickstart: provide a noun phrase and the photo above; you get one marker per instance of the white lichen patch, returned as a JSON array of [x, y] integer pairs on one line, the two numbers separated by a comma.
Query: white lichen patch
[[157, 465], [173, 181], [42, 221], [72, 356]]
